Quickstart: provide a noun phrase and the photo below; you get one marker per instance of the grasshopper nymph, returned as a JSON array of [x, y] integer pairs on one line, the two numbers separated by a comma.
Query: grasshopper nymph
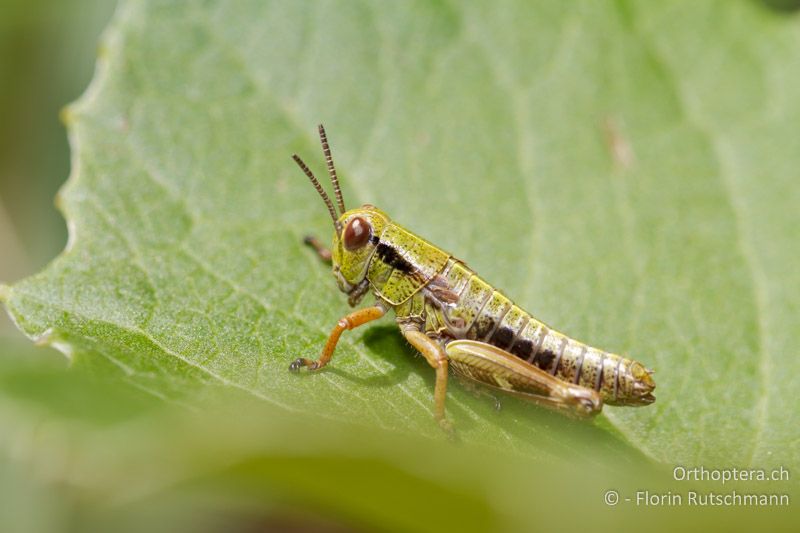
[[456, 320]]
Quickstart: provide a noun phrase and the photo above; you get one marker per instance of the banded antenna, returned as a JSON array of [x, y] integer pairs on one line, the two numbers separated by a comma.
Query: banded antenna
[[320, 190], [331, 169]]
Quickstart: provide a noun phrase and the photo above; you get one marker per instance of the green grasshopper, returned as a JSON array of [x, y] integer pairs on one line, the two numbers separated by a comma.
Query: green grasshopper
[[456, 320]]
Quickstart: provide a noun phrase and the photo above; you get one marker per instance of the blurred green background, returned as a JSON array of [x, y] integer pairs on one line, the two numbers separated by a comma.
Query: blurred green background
[[47, 56]]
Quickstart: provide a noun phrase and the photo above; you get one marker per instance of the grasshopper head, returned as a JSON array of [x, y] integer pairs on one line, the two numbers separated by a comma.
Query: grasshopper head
[[354, 244], [356, 232]]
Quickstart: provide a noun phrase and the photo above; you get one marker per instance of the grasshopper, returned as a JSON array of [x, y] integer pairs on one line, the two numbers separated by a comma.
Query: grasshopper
[[458, 321]]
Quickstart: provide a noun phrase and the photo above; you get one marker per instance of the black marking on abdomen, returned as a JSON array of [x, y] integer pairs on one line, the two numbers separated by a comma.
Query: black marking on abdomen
[[538, 346], [489, 334], [543, 359], [522, 348], [490, 317], [483, 326], [389, 255], [502, 337]]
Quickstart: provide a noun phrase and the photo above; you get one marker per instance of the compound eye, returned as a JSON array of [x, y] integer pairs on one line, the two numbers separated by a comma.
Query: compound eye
[[356, 234]]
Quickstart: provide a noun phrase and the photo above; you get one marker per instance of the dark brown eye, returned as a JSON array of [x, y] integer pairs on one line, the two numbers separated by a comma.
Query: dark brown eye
[[356, 234]]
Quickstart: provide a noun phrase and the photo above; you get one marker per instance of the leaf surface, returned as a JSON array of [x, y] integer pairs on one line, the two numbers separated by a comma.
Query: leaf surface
[[625, 172]]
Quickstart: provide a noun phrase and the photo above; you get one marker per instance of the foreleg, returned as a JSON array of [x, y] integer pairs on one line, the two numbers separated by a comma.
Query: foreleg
[[351, 321]]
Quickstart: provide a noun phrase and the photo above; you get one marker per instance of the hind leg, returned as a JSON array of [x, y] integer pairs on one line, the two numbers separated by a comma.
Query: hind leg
[[488, 365]]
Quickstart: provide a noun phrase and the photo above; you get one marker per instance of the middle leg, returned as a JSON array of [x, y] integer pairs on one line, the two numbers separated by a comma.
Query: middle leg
[[434, 354]]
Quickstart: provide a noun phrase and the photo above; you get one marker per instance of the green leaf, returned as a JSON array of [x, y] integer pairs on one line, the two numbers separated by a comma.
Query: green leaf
[[626, 172]]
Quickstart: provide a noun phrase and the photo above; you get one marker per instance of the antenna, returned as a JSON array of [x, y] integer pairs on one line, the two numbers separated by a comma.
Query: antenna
[[331, 169], [321, 192]]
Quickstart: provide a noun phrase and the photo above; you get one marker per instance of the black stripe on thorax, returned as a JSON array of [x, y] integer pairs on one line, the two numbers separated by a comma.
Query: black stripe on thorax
[[389, 255]]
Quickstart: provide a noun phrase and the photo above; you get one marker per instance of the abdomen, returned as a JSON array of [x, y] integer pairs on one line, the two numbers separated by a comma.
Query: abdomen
[[484, 314]]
